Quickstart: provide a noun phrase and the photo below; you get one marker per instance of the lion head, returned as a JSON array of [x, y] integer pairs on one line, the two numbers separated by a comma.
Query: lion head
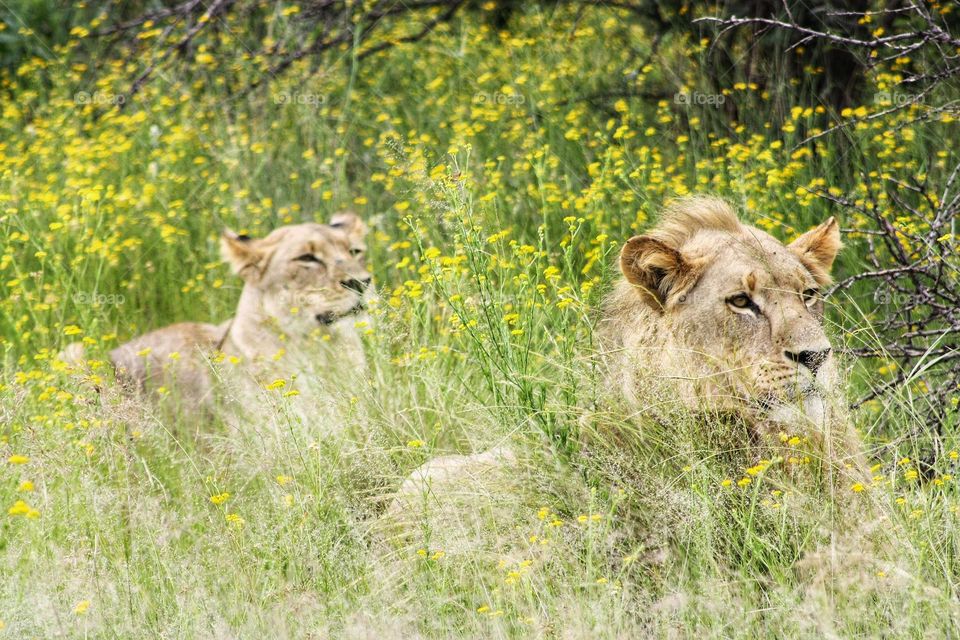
[[297, 280], [724, 313]]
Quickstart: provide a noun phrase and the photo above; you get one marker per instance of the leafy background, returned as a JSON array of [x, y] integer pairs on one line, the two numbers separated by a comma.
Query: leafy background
[[500, 160]]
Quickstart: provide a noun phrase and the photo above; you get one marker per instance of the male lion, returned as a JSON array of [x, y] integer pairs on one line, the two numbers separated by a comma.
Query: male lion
[[300, 280], [712, 314], [722, 316]]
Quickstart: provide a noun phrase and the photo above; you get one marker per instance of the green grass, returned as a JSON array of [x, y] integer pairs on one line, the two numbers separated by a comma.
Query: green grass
[[495, 231]]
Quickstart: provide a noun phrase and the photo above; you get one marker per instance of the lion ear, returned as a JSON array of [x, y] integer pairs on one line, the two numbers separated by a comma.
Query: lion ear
[[818, 248], [656, 269], [351, 224], [244, 254]]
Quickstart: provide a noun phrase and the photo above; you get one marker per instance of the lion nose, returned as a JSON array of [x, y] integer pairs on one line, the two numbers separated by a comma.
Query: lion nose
[[809, 359], [357, 285]]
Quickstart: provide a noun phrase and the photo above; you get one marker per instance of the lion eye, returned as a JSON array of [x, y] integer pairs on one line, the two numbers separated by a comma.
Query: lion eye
[[309, 257], [811, 295], [740, 301], [356, 252]]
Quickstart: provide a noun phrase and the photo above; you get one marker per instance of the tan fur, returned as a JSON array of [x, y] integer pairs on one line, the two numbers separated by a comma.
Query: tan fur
[[670, 334], [656, 269], [454, 497], [817, 248], [146, 363], [683, 218], [301, 282]]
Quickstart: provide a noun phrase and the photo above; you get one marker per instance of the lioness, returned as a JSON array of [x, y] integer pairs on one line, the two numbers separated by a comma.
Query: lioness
[[298, 280], [722, 316]]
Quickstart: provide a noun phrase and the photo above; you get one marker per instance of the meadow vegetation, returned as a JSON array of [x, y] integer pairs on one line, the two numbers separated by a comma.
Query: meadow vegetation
[[499, 177]]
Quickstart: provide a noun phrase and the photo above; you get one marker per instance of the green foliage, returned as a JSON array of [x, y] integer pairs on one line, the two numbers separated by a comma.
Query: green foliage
[[499, 188]]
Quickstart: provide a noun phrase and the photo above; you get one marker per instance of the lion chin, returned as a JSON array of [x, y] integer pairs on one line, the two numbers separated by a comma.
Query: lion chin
[[810, 410], [329, 317]]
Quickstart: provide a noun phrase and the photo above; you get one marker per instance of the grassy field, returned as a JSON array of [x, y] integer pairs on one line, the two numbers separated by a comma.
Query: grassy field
[[499, 187]]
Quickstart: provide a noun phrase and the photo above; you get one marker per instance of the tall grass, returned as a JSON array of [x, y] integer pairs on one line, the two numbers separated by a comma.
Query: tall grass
[[494, 229]]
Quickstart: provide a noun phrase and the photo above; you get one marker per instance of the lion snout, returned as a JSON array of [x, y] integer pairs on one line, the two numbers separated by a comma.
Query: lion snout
[[357, 285], [812, 359]]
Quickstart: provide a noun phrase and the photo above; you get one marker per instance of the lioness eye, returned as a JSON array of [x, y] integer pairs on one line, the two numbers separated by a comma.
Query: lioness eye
[[810, 295], [356, 252], [740, 301], [308, 257]]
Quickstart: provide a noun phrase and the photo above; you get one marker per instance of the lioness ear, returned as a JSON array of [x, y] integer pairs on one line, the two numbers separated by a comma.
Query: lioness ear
[[656, 269], [351, 223], [817, 249], [243, 253]]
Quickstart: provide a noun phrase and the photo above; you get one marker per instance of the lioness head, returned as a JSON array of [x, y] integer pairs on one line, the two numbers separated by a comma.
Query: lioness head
[[300, 277], [732, 309]]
